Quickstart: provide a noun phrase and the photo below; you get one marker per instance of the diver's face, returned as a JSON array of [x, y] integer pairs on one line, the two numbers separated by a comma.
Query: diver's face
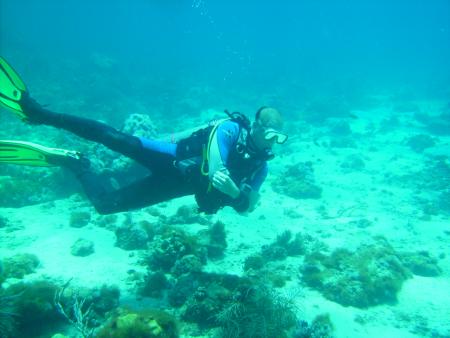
[[265, 137], [259, 136]]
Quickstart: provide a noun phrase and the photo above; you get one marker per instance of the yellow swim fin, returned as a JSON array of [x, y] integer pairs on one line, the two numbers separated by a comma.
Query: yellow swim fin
[[32, 154], [12, 89]]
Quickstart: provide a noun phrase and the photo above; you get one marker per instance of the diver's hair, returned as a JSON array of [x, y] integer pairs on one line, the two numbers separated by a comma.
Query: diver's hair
[[269, 117], [258, 112]]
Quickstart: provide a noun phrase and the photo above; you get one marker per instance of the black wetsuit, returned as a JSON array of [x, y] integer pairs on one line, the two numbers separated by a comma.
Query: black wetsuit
[[166, 180]]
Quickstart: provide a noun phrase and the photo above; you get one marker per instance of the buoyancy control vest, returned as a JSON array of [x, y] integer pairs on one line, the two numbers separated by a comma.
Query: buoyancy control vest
[[192, 159]]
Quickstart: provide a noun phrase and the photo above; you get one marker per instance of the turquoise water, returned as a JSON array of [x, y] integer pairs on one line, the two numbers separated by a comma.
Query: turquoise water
[[353, 223], [286, 51]]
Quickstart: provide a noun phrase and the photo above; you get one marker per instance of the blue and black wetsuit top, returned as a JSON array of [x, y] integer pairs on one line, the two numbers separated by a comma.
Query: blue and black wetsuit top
[[224, 154]]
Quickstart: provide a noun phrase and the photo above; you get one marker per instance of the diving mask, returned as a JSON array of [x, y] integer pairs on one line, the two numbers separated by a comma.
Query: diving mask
[[270, 134]]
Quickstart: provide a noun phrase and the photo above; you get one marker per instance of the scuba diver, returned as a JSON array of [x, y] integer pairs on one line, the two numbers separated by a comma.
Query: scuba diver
[[222, 164]]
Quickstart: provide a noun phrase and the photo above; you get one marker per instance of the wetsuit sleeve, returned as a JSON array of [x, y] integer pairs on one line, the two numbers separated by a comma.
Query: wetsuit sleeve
[[223, 140], [259, 177], [249, 195]]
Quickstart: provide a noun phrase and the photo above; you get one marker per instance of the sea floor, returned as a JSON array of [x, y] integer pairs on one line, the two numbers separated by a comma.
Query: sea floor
[[383, 192]]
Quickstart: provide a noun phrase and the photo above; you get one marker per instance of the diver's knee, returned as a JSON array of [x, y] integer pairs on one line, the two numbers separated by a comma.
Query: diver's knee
[[118, 139]]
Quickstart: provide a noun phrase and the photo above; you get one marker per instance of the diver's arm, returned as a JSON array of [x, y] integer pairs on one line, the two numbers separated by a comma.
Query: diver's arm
[[249, 193], [223, 139], [223, 182], [253, 200], [242, 198]]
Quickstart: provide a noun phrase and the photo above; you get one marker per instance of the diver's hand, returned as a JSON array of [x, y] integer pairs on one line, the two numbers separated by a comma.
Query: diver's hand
[[223, 182]]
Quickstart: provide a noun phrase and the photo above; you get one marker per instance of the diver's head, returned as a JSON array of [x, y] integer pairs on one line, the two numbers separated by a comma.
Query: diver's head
[[266, 130]]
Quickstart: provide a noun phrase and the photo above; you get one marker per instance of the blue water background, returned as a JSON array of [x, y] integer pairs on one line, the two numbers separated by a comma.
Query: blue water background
[[242, 53]]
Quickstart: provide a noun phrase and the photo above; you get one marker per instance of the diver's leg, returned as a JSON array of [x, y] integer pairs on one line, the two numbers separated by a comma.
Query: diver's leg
[[86, 128], [142, 193], [128, 145]]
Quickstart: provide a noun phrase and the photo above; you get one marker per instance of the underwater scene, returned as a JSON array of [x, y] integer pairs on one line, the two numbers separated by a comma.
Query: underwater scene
[[224, 169]]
